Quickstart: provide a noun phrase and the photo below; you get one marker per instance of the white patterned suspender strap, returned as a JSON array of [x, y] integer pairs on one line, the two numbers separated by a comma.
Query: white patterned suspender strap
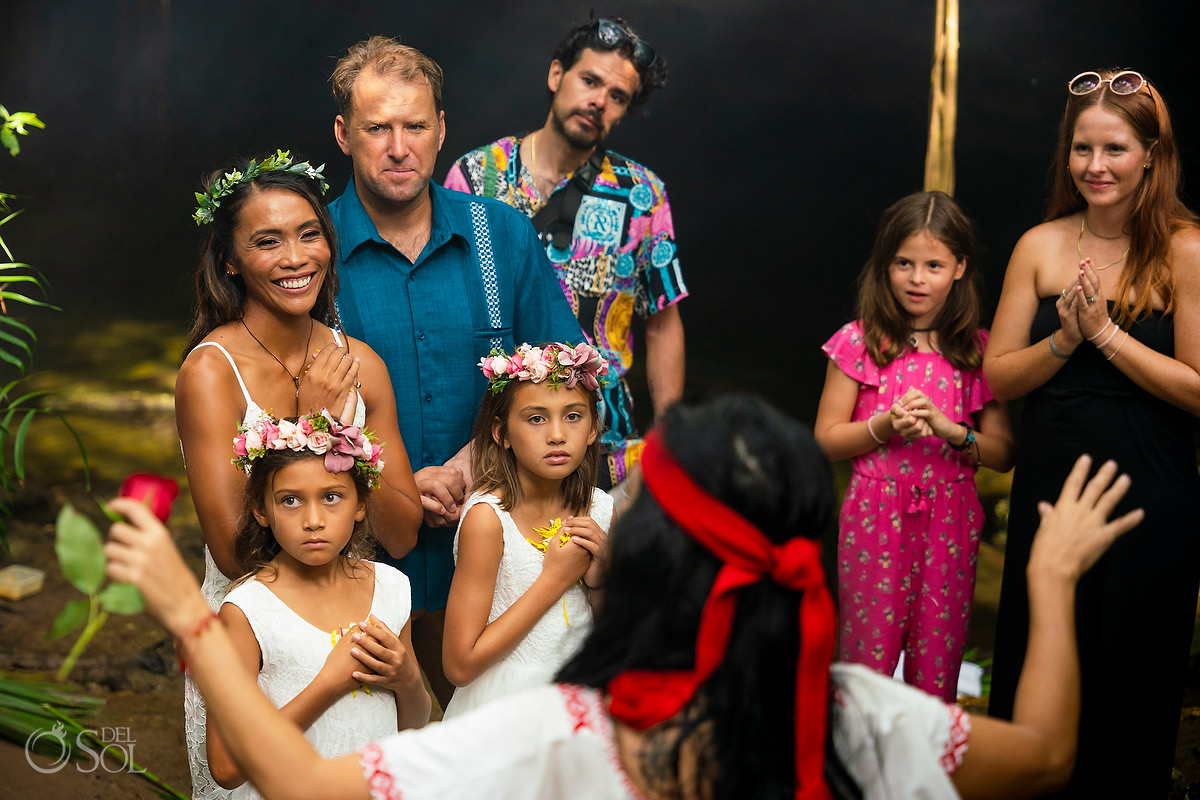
[[487, 269]]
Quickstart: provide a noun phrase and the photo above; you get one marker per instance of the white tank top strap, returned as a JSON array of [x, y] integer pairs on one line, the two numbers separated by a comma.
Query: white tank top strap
[[236, 373], [337, 337], [253, 409]]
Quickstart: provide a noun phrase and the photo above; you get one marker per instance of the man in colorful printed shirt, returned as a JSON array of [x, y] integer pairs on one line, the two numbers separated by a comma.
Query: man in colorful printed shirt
[[614, 252]]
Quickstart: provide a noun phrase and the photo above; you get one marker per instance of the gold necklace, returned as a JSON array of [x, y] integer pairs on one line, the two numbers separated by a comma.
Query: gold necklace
[[1079, 245], [533, 159], [295, 378]]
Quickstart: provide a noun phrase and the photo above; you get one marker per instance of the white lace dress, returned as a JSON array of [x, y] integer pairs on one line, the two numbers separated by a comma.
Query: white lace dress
[[214, 588], [293, 652], [556, 637]]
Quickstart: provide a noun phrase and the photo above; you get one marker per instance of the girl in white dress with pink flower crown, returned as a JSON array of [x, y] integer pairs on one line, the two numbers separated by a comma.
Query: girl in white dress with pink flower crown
[[325, 631], [529, 546]]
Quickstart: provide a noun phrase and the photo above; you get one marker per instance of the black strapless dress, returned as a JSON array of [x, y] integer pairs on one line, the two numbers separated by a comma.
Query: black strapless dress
[[1136, 607]]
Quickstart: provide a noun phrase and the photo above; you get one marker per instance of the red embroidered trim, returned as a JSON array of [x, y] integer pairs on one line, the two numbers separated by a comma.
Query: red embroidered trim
[[584, 705], [956, 744], [379, 780], [577, 706]]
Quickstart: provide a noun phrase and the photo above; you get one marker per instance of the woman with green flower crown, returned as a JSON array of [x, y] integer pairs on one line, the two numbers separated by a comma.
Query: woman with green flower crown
[[265, 339]]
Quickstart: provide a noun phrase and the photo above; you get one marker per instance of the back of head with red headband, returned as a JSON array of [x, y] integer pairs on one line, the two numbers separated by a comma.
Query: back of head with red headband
[[644, 698]]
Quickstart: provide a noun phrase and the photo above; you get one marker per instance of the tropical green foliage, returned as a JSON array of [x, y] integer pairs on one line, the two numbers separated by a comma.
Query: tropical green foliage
[[80, 552], [18, 280]]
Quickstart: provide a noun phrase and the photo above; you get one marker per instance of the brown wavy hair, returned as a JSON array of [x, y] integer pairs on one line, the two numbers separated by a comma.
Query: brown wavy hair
[[886, 325], [255, 546], [1158, 210], [496, 466], [221, 297]]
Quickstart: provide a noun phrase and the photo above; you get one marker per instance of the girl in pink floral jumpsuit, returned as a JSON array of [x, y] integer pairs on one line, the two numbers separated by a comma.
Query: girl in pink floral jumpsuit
[[905, 398]]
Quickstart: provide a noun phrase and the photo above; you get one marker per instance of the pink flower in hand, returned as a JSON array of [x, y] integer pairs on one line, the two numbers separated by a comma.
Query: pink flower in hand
[[158, 492]]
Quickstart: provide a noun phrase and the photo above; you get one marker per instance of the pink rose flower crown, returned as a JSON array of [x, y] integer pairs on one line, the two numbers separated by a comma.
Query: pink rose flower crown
[[557, 364], [345, 447]]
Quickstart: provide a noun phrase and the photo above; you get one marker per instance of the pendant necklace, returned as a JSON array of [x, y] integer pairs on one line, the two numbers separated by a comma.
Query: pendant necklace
[[295, 378], [912, 336], [1079, 244]]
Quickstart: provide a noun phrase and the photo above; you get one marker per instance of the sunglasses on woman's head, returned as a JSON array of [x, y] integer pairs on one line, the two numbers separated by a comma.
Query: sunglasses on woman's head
[[1124, 82], [612, 35]]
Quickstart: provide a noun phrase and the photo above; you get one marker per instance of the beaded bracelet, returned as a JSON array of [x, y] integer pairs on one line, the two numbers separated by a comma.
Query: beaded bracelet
[[201, 626], [967, 442], [1122, 344], [1096, 335]]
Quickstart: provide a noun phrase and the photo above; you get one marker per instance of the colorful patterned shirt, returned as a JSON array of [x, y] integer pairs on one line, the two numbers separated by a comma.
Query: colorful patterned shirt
[[622, 261]]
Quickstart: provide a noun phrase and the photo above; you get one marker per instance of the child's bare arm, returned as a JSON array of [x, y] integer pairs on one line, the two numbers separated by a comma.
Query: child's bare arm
[[333, 681], [387, 659], [470, 645]]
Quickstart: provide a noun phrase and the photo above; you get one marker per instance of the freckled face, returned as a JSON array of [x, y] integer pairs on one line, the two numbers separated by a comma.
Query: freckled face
[[393, 136], [549, 431], [921, 274], [1107, 162], [311, 511]]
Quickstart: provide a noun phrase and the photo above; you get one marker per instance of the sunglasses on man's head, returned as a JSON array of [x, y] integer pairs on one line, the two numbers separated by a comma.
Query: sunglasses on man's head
[[612, 35], [1125, 82]]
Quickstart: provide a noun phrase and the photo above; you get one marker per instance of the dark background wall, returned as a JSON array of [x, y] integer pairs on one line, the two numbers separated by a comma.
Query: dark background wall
[[786, 129]]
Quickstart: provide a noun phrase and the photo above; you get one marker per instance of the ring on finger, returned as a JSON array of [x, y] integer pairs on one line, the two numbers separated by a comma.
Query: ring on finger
[[1091, 299], [1065, 292], [358, 384]]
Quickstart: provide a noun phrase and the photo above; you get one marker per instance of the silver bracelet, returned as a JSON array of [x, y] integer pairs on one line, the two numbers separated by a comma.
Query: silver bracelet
[[871, 431], [1054, 348]]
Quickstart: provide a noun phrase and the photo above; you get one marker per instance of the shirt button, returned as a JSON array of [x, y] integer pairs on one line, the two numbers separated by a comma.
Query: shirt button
[[429, 458], [421, 335], [412, 276], [428, 397]]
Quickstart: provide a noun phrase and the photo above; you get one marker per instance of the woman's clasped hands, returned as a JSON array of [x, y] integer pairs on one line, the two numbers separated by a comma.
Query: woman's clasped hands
[[1082, 310]]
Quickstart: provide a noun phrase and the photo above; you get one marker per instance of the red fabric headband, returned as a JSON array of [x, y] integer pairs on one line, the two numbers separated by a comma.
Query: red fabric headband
[[643, 698]]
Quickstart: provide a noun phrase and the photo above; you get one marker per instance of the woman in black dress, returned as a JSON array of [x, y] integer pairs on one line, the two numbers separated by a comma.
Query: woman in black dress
[[1099, 326]]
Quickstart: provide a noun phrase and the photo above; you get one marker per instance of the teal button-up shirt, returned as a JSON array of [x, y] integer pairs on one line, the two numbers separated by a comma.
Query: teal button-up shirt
[[430, 322]]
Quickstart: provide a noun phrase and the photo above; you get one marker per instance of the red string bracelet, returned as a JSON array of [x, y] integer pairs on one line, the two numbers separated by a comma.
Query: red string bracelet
[[201, 627]]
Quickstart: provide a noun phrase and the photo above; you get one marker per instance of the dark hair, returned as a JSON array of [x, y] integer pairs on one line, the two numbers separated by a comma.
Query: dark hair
[[496, 467], [384, 57], [1158, 210], [254, 545], [740, 725], [886, 325], [587, 35], [220, 297]]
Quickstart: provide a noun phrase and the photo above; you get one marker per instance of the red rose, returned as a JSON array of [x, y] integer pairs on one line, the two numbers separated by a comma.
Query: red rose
[[156, 491]]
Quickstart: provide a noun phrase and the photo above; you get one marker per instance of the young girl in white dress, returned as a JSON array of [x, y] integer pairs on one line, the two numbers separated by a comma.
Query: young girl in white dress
[[528, 549], [295, 617]]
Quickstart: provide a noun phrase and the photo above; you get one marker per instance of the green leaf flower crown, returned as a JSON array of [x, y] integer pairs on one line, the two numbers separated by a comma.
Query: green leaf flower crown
[[224, 186]]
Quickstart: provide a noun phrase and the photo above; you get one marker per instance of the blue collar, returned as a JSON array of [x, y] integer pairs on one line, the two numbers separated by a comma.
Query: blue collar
[[450, 217]]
